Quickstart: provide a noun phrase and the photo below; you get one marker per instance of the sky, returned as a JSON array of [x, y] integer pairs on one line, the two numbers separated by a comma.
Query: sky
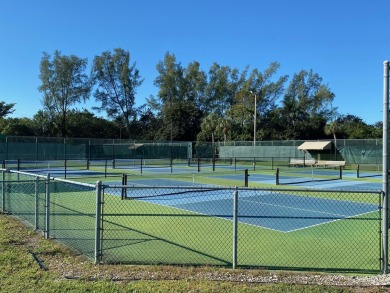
[[344, 41]]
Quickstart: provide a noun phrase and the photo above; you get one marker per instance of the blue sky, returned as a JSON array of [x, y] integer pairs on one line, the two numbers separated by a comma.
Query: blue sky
[[344, 41]]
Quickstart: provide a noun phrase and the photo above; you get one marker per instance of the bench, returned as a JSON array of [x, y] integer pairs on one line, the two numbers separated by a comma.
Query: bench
[[301, 162], [330, 163]]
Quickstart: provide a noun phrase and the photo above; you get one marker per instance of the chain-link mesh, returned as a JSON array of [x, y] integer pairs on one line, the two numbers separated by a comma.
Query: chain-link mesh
[[272, 228], [165, 229], [60, 209], [73, 214], [332, 230]]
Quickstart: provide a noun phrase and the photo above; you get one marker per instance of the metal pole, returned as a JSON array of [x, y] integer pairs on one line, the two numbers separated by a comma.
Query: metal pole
[[47, 208], [235, 232], [385, 241], [3, 191], [36, 203], [98, 252]]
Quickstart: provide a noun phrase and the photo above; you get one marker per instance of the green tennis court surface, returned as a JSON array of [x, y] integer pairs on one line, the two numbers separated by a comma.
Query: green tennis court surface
[[282, 211]]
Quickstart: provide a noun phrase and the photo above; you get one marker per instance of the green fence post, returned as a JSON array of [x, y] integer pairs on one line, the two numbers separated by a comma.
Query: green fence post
[[98, 236], [235, 232], [47, 208], [36, 203], [3, 191]]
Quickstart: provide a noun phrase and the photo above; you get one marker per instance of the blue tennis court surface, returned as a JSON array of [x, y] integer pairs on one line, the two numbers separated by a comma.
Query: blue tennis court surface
[[276, 211]]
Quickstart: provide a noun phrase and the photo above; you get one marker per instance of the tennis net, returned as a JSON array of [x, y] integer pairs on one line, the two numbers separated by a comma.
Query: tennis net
[[296, 175]]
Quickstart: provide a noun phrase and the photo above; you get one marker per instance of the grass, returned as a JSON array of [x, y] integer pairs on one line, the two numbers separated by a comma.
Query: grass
[[64, 271]]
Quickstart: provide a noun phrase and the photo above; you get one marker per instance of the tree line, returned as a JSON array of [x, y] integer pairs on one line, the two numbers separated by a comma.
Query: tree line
[[191, 104]]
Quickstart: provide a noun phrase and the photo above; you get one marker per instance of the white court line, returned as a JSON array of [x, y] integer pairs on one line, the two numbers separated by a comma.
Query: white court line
[[289, 207]]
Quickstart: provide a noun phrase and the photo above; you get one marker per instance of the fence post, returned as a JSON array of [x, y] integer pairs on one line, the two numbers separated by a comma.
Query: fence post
[[3, 191], [98, 253], [36, 203], [385, 174], [47, 208], [235, 213]]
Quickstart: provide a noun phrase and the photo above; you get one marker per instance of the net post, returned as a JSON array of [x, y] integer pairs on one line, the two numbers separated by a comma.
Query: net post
[[124, 183], [65, 166], [358, 171], [18, 164], [213, 162], [235, 163], [246, 177], [385, 174], [341, 172], [105, 169], [198, 164], [47, 208], [277, 176], [142, 163], [235, 221], [254, 163], [98, 252]]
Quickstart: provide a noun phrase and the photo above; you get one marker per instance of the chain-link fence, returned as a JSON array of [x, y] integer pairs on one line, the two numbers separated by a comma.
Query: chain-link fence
[[61, 209], [323, 230]]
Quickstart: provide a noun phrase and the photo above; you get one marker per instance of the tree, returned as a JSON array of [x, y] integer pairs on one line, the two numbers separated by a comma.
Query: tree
[[223, 84], [45, 126], [306, 106], [117, 83], [332, 129], [353, 127], [64, 84], [180, 93], [17, 127], [224, 126], [6, 109], [93, 127], [209, 127], [266, 89]]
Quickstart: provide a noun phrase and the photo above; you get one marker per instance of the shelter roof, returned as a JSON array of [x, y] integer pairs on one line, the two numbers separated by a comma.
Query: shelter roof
[[315, 145]]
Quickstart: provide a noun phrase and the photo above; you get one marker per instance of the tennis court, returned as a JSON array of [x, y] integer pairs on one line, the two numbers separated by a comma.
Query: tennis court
[[282, 212]]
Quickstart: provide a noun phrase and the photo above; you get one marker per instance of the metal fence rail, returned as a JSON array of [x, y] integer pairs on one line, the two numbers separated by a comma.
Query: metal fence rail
[[323, 230]]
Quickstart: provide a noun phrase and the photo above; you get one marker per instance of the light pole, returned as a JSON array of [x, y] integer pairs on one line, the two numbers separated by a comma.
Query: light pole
[[254, 120]]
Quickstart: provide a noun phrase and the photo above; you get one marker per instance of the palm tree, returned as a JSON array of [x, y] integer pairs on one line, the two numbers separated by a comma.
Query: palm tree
[[333, 128], [210, 125], [225, 126]]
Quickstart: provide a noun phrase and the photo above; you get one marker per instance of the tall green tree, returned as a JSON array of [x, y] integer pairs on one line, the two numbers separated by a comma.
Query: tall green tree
[[261, 89], [6, 109], [64, 84], [180, 90], [306, 106], [223, 84], [117, 83]]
